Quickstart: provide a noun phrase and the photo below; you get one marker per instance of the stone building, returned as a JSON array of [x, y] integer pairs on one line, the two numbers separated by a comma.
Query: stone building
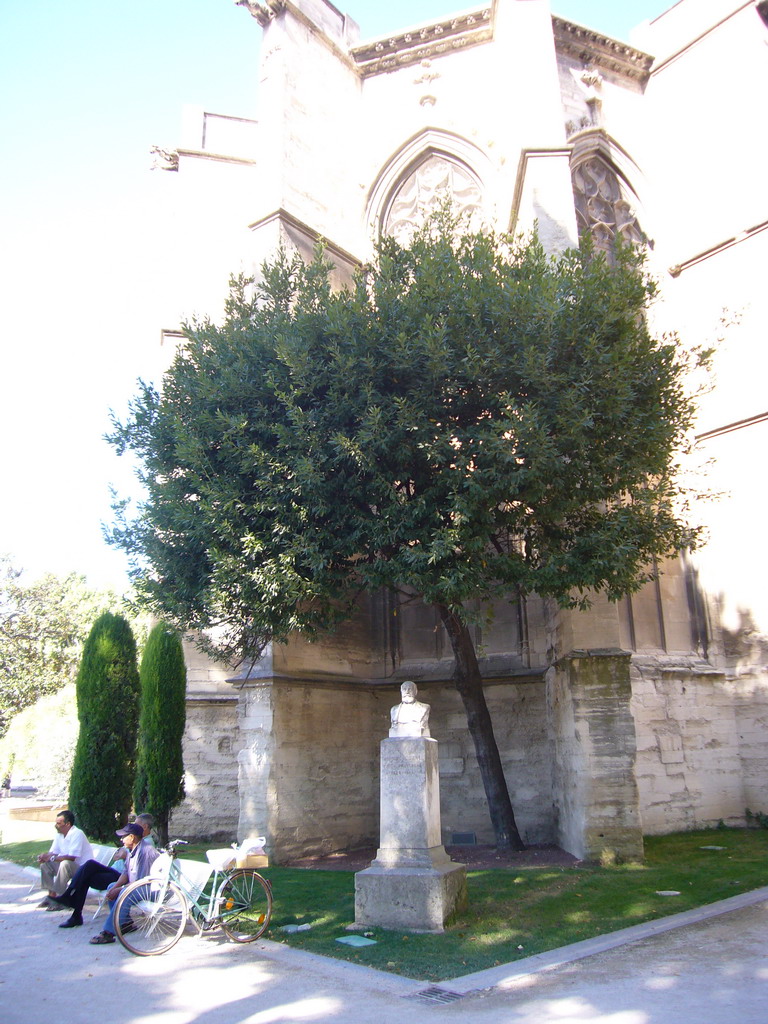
[[642, 717]]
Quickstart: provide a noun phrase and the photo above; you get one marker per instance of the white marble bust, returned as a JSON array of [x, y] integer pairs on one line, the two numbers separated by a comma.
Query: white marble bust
[[410, 717]]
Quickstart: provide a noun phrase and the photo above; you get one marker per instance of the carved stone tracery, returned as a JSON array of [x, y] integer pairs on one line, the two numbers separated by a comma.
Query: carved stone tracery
[[425, 189], [602, 208]]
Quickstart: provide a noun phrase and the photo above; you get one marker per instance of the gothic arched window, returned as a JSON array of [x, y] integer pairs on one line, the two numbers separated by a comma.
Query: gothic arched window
[[424, 189]]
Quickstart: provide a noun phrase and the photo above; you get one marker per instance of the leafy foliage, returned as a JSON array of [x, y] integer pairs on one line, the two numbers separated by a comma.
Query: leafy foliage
[[43, 624], [473, 418], [27, 752], [159, 782], [108, 709]]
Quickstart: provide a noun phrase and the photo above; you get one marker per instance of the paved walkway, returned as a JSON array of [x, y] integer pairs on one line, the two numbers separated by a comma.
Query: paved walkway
[[712, 967]]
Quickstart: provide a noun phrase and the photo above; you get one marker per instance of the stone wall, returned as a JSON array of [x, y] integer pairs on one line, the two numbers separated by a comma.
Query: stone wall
[[749, 694], [326, 761], [211, 806], [299, 761], [701, 744], [309, 766], [518, 710]]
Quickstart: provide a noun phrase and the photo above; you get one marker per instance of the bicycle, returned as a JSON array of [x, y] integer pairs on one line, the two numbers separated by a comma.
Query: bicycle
[[152, 913]]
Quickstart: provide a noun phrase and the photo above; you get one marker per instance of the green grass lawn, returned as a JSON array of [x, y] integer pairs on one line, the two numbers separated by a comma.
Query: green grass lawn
[[513, 913]]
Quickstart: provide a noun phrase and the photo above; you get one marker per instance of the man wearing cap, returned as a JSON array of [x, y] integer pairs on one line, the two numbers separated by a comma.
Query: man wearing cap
[[147, 822], [93, 875], [140, 857]]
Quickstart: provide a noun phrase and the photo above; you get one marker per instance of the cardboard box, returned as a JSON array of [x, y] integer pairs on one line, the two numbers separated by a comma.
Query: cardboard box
[[253, 860]]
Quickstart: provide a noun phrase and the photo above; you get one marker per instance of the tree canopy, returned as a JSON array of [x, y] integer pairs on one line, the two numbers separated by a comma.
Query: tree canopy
[[472, 418], [43, 624]]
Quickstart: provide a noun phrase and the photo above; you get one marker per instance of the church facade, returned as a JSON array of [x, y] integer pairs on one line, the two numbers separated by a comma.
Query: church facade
[[646, 716]]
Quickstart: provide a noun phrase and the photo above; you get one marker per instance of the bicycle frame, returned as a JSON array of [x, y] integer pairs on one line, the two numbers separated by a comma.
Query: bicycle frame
[[203, 910], [151, 913]]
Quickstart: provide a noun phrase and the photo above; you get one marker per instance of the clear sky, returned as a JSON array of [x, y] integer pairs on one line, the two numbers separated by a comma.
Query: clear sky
[[88, 88]]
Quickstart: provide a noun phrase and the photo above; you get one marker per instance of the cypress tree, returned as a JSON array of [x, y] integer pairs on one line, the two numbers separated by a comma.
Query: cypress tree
[[107, 689], [159, 784]]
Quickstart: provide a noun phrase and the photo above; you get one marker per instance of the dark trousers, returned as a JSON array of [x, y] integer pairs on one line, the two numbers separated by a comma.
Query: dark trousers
[[92, 875]]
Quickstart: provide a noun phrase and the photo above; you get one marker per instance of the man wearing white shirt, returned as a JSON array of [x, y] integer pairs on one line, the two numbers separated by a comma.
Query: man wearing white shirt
[[69, 850]]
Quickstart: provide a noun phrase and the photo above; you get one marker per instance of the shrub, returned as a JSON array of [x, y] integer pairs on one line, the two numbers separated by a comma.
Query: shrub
[[108, 709], [159, 784]]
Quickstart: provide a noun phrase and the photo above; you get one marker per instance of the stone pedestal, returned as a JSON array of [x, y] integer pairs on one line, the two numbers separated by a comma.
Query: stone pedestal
[[412, 884]]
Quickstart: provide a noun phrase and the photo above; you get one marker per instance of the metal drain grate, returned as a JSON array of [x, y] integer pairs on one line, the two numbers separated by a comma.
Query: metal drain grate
[[434, 994]]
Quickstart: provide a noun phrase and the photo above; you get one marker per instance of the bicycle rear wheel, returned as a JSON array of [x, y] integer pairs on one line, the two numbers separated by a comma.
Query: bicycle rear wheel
[[150, 916], [245, 905]]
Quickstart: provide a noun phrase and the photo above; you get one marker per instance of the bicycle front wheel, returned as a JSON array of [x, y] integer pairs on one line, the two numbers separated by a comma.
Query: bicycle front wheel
[[150, 916], [245, 905]]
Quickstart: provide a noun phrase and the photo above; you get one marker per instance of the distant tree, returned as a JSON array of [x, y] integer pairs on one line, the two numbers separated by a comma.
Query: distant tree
[[473, 419], [108, 709], [159, 784], [43, 625]]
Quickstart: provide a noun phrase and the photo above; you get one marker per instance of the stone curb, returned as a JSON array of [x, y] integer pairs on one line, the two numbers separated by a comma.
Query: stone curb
[[504, 974]]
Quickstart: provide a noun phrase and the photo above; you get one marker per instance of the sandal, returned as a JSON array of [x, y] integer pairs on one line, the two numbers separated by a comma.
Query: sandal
[[102, 939]]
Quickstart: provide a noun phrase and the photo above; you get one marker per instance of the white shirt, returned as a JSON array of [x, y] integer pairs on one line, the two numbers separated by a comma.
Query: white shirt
[[73, 844]]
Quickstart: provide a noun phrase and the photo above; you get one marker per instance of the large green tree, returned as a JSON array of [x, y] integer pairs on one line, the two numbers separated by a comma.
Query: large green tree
[[159, 783], [108, 710], [472, 419], [43, 624]]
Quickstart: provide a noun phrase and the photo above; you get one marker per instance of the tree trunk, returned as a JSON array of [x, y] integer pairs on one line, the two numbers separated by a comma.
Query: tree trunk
[[469, 683], [161, 827]]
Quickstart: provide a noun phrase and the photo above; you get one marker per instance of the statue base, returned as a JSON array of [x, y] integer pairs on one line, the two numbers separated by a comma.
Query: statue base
[[413, 885], [409, 899]]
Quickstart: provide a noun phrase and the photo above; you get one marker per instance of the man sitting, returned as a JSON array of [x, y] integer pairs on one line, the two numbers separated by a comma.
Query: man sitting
[[69, 851], [93, 875], [147, 822], [140, 859]]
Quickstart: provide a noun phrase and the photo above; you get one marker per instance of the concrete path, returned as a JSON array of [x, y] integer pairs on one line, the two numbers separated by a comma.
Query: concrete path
[[712, 967]]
